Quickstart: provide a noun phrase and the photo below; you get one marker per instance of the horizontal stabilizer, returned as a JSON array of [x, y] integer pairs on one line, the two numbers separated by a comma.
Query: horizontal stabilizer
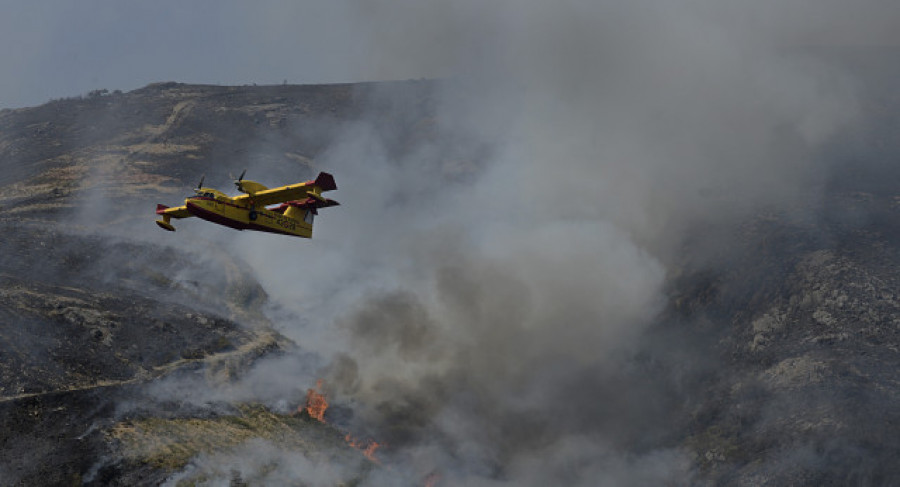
[[314, 203], [329, 202], [307, 204]]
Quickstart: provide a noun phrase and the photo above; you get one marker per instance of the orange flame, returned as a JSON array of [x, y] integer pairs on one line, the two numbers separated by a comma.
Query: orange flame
[[316, 403], [368, 447]]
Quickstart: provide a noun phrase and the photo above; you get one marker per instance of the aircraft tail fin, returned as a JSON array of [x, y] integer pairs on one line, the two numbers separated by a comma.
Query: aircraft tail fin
[[325, 182]]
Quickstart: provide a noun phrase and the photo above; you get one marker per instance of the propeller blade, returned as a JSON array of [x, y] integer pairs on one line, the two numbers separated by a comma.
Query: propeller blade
[[237, 182], [201, 181]]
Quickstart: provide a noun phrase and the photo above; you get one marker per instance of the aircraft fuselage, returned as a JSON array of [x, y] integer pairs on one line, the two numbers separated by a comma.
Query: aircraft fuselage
[[223, 212]]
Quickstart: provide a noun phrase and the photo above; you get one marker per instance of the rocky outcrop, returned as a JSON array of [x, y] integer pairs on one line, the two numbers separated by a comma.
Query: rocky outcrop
[[809, 335]]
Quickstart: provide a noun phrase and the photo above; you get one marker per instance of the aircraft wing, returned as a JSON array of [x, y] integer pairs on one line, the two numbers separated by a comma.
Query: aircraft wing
[[174, 212], [300, 191]]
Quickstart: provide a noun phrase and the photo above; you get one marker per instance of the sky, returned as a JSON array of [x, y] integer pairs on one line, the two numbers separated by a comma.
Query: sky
[[62, 48]]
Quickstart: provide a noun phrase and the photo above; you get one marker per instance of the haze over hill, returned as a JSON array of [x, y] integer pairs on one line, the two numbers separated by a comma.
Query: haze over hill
[[623, 247], [64, 49]]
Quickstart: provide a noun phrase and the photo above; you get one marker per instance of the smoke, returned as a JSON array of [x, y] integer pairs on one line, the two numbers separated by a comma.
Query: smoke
[[484, 294], [244, 465]]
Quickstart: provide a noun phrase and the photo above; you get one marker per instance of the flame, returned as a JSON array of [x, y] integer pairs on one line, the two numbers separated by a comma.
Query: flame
[[316, 402], [368, 447]]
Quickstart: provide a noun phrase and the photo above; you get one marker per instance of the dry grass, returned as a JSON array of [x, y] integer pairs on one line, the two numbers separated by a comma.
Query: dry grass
[[171, 443]]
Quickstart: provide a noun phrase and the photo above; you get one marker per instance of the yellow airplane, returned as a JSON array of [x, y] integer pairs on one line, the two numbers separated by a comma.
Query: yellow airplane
[[294, 216]]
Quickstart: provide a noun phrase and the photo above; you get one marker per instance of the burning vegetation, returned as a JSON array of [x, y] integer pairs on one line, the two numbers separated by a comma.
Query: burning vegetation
[[316, 403], [315, 407], [368, 447]]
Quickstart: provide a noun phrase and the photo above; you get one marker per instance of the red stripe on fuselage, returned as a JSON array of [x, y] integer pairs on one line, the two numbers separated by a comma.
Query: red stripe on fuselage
[[214, 217]]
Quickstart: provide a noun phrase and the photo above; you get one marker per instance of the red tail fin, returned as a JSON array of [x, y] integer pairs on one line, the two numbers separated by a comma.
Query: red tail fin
[[325, 181]]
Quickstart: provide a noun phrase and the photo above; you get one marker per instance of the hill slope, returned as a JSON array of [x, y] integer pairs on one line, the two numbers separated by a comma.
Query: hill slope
[[772, 363]]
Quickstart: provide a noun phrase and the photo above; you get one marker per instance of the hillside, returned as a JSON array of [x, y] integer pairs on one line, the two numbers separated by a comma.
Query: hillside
[[91, 314], [774, 361]]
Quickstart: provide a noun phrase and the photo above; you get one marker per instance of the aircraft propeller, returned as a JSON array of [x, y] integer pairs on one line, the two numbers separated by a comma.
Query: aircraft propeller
[[200, 185], [237, 182]]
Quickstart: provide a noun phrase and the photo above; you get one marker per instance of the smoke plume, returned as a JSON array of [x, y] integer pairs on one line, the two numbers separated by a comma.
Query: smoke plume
[[483, 295]]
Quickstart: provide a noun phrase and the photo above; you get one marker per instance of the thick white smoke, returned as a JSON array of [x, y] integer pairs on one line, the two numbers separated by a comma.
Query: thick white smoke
[[479, 312]]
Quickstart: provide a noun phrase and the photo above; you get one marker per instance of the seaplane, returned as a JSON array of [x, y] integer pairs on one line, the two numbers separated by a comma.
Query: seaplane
[[297, 206]]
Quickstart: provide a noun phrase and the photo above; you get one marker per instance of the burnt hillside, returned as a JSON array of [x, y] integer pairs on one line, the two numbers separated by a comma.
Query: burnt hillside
[[89, 313], [773, 360]]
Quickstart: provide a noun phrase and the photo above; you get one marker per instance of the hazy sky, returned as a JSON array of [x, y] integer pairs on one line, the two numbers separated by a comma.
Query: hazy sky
[[59, 48]]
